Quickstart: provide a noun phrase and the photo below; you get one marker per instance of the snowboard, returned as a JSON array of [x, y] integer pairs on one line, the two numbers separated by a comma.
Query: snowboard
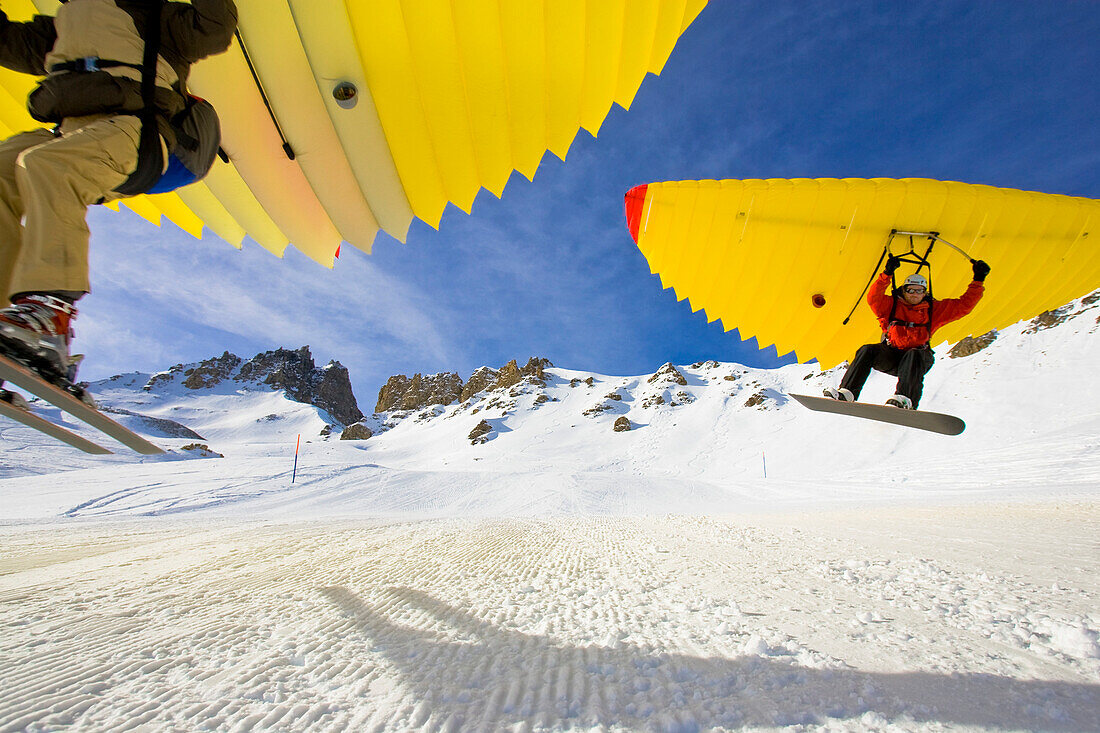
[[935, 422], [63, 399]]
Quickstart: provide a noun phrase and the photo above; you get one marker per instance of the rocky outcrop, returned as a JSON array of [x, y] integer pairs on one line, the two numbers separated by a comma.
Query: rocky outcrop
[[1049, 319], [511, 373], [202, 450], [668, 373], [327, 387], [402, 393], [392, 393], [481, 433], [357, 431], [480, 380], [162, 378], [760, 399], [422, 391], [972, 345], [622, 425], [211, 372], [598, 409]]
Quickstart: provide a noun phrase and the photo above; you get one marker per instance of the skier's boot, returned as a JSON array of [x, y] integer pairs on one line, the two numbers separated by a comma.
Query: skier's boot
[[842, 395], [36, 330], [900, 400]]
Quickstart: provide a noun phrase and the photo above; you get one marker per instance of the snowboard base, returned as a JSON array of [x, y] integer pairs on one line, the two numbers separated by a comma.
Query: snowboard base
[[935, 422]]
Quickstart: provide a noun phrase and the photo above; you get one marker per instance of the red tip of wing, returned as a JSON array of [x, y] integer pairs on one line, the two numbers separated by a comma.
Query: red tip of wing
[[635, 201]]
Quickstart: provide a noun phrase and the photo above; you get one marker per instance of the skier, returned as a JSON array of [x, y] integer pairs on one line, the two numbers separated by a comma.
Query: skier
[[91, 56], [908, 320]]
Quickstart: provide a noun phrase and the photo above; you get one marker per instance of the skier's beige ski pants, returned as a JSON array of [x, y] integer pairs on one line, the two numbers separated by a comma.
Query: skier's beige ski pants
[[47, 183]]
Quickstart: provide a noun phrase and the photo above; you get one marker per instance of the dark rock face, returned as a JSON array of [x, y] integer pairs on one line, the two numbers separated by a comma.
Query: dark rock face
[[511, 373], [402, 393], [334, 394], [480, 380], [358, 431], [481, 432], [328, 387], [972, 345], [163, 378], [760, 399], [1049, 319], [668, 373], [202, 450], [622, 424], [391, 393], [211, 372]]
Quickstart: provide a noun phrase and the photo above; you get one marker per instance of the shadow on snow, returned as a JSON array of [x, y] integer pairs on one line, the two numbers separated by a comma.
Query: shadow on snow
[[493, 675]]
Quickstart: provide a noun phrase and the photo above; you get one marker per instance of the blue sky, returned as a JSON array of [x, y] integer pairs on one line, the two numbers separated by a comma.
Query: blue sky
[[1002, 93]]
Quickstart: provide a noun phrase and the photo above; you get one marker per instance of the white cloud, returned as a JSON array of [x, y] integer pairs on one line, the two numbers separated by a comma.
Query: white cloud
[[163, 279]]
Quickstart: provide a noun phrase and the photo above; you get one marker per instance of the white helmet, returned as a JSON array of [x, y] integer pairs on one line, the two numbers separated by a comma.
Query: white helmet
[[915, 279]]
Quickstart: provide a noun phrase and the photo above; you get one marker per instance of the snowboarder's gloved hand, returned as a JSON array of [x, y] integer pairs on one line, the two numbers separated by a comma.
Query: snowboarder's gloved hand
[[981, 269], [892, 264]]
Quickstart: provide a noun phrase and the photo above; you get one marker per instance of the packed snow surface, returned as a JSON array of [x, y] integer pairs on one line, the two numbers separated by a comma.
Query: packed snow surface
[[732, 562], [879, 620]]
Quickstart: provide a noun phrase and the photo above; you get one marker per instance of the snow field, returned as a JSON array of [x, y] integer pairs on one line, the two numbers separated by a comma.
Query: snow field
[[882, 620]]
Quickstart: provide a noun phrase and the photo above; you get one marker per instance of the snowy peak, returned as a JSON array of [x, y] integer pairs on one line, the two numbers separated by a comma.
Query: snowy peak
[[327, 387]]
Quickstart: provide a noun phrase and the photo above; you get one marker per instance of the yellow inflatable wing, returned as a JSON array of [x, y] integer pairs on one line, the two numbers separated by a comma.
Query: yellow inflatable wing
[[345, 117], [787, 261]]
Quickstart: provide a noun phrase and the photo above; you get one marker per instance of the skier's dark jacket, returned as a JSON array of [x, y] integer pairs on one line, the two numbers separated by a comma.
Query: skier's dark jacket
[[113, 30], [899, 333]]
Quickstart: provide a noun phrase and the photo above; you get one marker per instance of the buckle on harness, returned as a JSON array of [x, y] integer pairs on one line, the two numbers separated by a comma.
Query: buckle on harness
[[88, 63]]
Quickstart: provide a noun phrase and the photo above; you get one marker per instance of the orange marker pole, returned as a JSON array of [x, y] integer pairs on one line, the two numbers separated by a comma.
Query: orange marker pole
[[296, 447]]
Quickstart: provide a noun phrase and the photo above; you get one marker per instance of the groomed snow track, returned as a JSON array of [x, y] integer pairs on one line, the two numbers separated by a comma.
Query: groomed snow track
[[943, 619]]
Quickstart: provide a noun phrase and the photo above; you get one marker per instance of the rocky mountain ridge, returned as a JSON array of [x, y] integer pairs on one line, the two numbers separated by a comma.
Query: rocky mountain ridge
[[629, 402], [402, 393], [328, 387], [511, 402]]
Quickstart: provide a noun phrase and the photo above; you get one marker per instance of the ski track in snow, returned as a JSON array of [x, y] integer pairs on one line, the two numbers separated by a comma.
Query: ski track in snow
[[880, 619]]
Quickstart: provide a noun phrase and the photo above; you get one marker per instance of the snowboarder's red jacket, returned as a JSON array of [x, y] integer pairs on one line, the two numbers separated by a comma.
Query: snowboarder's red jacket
[[910, 328]]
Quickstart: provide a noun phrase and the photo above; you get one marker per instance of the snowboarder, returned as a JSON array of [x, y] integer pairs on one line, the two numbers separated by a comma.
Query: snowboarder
[[908, 319], [91, 55]]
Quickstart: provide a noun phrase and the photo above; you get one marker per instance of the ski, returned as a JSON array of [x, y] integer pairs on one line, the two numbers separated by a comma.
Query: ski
[[935, 422], [22, 377], [42, 425]]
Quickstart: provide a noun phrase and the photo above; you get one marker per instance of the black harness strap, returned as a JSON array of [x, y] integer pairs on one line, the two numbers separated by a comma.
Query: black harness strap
[[885, 251], [920, 262], [150, 158]]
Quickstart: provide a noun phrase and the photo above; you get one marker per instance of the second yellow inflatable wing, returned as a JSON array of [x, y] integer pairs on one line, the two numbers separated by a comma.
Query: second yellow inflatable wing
[[787, 261], [346, 117]]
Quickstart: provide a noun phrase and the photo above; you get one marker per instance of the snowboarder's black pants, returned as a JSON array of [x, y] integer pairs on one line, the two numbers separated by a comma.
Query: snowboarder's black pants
[[908, 365]]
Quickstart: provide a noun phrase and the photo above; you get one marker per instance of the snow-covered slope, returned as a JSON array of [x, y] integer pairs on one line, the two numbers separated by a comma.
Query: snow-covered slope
[[702, 437], [629, 589]]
